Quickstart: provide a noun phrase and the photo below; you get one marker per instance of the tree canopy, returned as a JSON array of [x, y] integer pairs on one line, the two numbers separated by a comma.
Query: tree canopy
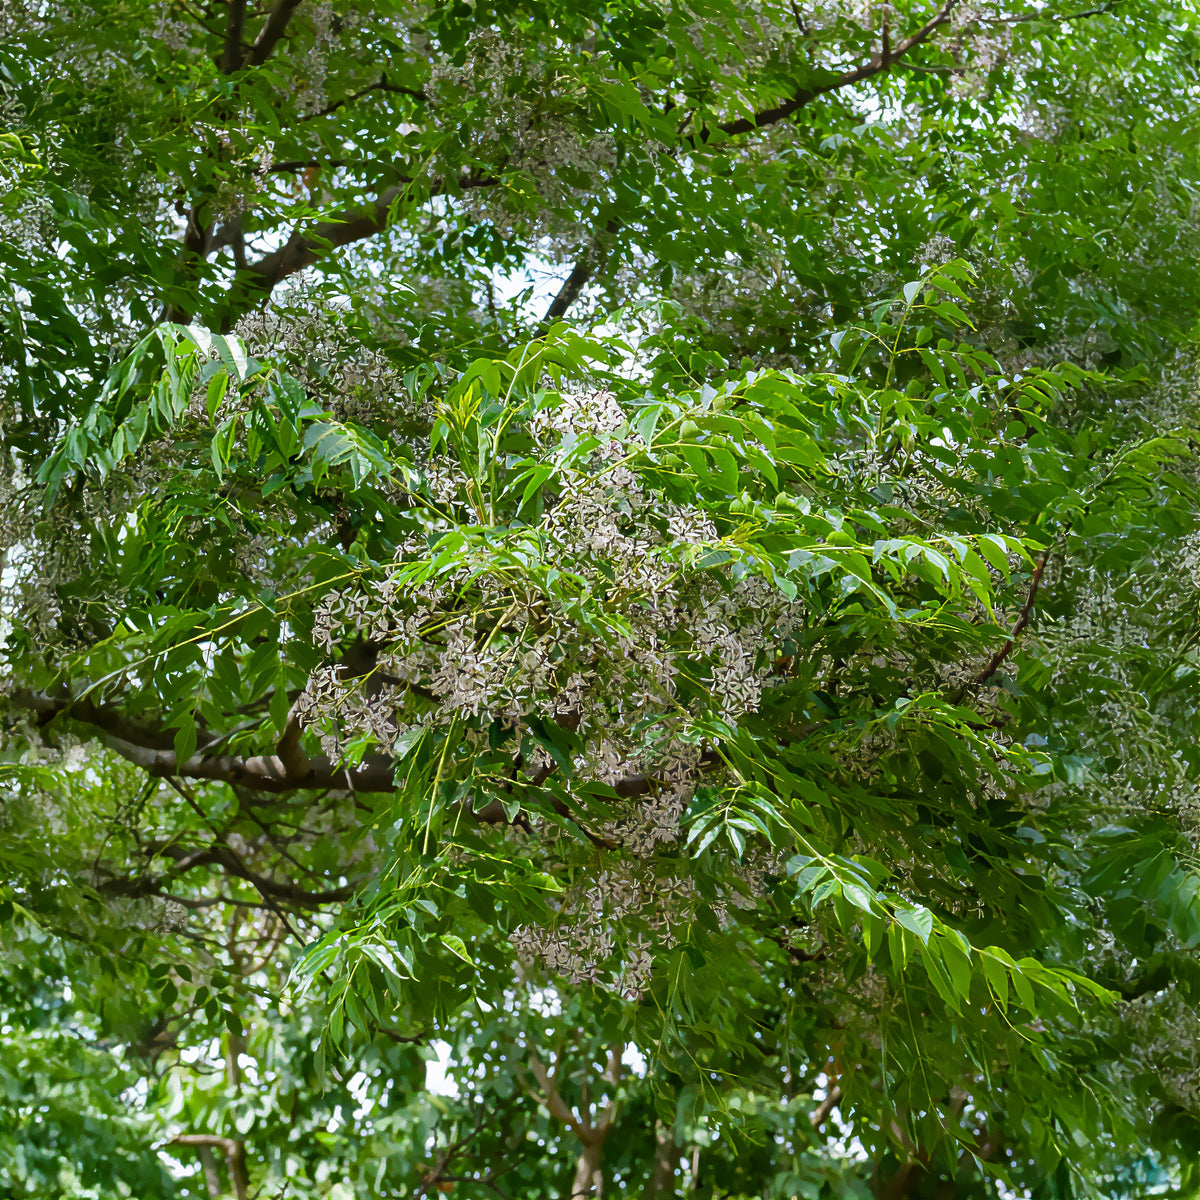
[[599, 598]]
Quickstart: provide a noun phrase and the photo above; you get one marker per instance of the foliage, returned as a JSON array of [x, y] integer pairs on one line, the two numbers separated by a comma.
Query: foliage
[[731, 711]]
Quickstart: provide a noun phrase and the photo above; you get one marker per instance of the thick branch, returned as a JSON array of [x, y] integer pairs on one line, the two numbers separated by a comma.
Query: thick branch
[[274, 28], [287, 770], [591, 1131], [589, 263], [569, 292], [235, 25], [212, 1178], [611, 1076], [289, 751], [256, 280], [555, 1104], [108, 720], [666, 1159], [351, 225]]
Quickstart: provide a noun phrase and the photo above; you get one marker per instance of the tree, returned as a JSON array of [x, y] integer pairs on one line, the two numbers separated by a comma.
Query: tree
[[648, 551]]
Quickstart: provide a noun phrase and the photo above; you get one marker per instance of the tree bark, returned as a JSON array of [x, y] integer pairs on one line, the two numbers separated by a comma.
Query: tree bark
[[666, 1159], [212, 1176], [589, 1178]]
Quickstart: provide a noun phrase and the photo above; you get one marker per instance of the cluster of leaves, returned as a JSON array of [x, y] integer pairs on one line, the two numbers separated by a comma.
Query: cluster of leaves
[[928, 861]]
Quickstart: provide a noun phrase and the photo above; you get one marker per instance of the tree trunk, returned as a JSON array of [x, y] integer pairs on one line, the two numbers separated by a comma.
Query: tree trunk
[[212, 1177], [589, 1179], [666, 1159]]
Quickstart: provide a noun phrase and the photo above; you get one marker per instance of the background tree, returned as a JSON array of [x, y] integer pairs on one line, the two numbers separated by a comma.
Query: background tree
[[646, 554]]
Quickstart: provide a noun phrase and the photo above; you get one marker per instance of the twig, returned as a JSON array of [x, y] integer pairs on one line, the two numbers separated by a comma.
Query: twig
[[1023, 616], [381, 85], [1059, 18], [820, 1114]]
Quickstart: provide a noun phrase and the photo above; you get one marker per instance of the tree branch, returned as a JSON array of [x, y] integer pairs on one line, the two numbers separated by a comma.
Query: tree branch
[[820, 1114], [220, 854], [666, 1159], [198, 241], [235, 1156], [879, 63], [593, 259], [589, 263], [1023, 616], [212, 1178], [288, 749], [231, 54], [555, 1104], [568, 293], [273, 29], [254, 282], [1057, 18], [301, 250], [202, 1139], [445, 1156], [382, 85], [287, 770]]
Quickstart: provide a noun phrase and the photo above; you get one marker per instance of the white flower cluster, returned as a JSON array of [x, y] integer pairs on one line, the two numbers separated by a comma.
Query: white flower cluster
[[1166, 1044], [982, 40], [609, 615], [25, 207], [599, 620], [353, 380], [579, 414], [42, 550], [586, 945], [610, 928], [169, 31], [312, 66], [526, 127]]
